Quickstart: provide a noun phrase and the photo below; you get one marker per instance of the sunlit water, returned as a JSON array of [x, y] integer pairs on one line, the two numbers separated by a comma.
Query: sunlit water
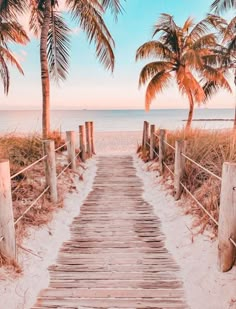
[[112, 120]]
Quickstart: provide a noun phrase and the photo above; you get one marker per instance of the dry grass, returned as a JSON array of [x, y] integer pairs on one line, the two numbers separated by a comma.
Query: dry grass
[[210, 149], [22, 151]]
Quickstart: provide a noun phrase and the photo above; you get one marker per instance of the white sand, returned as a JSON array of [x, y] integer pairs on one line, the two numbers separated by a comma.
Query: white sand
[[205, 287]]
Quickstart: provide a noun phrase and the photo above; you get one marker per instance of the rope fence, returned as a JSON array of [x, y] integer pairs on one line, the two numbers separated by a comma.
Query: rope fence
[[29, 167], [86, 150], [227, 208]]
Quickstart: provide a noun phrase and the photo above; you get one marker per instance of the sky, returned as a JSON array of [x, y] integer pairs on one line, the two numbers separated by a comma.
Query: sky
[[89, 85]]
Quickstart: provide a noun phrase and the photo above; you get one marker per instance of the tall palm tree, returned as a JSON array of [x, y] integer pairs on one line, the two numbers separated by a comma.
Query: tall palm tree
[[10, 32], [50, 25], [187, 54]]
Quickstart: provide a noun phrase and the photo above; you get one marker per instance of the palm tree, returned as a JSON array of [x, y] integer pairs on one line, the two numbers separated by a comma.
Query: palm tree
[[227, 38], [187, 54], [10, 32], [47, 22], [223, 5]]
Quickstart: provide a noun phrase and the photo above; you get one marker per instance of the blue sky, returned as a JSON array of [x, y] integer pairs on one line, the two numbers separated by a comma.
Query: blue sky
[[89, 85]]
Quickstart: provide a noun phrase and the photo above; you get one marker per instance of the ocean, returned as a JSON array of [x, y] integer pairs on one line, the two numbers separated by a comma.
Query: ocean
[[112, 120]]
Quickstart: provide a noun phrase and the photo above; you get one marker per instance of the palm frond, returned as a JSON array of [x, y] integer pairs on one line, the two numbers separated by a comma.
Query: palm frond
[[4, 74], [230, 31], [210, 88], [58, 46], [88, 15], [36, 16], [152, 69], [199, 30], [9, 57], [12, 32], [189, 23], [216, 75], [205, 41], [156, 85], [219, 6], [114, 6], [165, 23], [189, 85], [6, 56], [12, 8], [154, 49]]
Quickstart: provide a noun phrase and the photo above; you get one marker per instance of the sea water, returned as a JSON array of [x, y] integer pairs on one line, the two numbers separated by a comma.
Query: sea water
[[112, 120]]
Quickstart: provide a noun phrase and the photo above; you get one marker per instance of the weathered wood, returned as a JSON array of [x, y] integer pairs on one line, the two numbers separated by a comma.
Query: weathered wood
[[88, 139], [82, 143], [179, 167], [152, 141], [71, 139], [50, 169], [145, 135], [162, 150], [7, 229], [227, 217], [92, 137], [116, 257]]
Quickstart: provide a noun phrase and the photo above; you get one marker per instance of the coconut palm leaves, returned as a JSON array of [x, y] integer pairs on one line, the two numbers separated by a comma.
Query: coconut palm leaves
[[187, 54], [223, 5], [10, 32], [88, 14]]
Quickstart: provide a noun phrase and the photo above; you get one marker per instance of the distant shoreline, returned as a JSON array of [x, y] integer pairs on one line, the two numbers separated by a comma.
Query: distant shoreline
[[210, 119]]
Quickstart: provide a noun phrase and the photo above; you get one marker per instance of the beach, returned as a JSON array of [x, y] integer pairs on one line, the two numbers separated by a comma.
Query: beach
[[205, 286]]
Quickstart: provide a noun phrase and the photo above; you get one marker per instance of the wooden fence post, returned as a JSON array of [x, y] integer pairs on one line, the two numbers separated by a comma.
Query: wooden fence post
[[179, 167], [71, 139], [227, 217], [145, 135], [7, 229], [88, 139], [162, 150], [152, 141], [50, 169], [92, 137], [82, 143]]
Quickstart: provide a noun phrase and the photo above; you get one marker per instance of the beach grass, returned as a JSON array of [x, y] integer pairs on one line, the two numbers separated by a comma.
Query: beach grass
[[209, 148], [22, 150]]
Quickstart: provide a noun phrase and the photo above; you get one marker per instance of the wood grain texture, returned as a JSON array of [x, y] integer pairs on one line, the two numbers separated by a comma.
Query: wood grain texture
[[116, 257]]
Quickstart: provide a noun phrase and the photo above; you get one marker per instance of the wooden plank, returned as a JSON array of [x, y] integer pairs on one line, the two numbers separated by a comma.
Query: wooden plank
[[116, 256]]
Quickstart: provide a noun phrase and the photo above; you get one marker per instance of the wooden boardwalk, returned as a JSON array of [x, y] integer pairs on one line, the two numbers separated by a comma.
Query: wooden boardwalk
[[116, 257]]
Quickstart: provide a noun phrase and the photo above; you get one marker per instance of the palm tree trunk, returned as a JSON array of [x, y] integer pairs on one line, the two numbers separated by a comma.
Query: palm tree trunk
[[190, 113], [235, 103], [45, 71]]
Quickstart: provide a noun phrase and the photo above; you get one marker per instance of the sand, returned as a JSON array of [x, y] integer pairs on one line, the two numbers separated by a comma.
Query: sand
[[205, 286]]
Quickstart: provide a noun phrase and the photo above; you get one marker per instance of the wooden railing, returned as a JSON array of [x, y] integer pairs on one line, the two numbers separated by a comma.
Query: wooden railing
[[7, 223], [227, 208]]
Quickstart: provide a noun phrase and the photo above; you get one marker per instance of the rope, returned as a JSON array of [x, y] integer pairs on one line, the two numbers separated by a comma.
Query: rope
[[169, 169], [60, 147], [233, 242], [64, 170], [186, 189], [28, 167], [78, 154], [202, 167], [32, 205], [153, 149], [199, 204], [156, 135], [172, 147]]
